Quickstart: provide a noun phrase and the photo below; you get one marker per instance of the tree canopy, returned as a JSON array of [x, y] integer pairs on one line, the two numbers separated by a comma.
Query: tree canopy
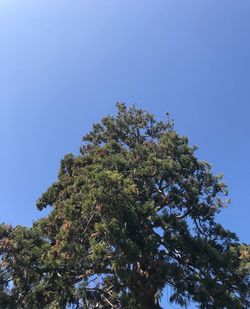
[[134, 212]]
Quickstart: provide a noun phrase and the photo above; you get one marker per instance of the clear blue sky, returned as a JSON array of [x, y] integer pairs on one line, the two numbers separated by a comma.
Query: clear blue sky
[[64, 64]]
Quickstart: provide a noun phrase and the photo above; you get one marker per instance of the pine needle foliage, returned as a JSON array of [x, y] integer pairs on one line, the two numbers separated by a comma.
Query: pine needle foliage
[[134, 212]]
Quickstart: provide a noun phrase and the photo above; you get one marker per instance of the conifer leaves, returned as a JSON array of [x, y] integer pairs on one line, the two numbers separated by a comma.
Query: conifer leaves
[[132, 213]]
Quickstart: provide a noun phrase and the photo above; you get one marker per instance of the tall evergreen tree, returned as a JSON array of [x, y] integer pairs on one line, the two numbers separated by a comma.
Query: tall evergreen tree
[[134, 212]]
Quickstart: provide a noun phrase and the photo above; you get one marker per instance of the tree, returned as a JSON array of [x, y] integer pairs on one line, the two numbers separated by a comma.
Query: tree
[[132, 213]]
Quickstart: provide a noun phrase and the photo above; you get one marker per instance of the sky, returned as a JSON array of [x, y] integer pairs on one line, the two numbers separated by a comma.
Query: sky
[[64, 65]]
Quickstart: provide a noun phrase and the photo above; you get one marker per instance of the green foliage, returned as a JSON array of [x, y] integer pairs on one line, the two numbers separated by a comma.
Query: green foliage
[[132, 213]]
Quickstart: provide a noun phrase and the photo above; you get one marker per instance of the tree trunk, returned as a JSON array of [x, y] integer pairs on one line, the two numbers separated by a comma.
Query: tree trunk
[[147, 299]]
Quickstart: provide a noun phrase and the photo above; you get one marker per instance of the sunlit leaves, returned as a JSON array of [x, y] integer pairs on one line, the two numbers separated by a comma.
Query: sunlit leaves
[[132, 213]]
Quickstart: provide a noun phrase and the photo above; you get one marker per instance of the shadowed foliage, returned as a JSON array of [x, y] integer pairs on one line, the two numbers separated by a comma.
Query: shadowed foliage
[[134, 212]]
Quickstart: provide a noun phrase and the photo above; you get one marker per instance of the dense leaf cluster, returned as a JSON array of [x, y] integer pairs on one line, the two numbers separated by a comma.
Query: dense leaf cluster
[[133, 213]]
